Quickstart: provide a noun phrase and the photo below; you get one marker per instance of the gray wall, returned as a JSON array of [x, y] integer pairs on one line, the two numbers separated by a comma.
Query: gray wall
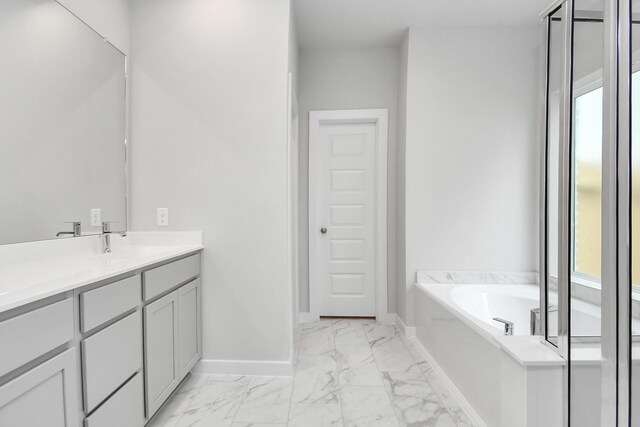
[[472, 153], [342, 80], [110, 18], [209, 141]]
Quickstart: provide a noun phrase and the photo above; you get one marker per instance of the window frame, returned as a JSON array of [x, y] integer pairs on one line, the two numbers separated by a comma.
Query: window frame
[[582, 87]]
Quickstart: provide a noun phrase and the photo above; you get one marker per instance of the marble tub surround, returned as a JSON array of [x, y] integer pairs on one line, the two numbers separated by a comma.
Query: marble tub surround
[[478, 277], [37, 270], [344, 376]]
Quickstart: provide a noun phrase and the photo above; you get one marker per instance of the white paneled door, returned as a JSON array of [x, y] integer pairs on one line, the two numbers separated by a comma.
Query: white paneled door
[[343, 224]]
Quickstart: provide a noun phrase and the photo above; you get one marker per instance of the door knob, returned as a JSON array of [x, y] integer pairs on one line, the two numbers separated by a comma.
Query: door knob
[[323, 230]]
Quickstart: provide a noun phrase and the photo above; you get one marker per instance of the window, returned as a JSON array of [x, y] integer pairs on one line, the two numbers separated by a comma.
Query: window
[[587, 182]]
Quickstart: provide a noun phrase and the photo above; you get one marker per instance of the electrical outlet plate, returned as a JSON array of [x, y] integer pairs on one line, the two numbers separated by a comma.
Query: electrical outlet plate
[[96, 217], [163, 217]]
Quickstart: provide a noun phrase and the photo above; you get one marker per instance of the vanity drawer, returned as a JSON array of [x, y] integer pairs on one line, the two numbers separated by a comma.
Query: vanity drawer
[[161, 279], [30, 335], [107, 302], [110, 357], [124, 409]]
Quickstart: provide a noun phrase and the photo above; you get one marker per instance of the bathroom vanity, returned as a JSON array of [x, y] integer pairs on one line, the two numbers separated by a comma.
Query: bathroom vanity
[[96, 329], [97, 339]]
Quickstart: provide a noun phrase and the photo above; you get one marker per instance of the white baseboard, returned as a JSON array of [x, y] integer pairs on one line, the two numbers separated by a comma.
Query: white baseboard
[[306, 317], [243, 367], [457, 395], [408, 331], [387, 319]]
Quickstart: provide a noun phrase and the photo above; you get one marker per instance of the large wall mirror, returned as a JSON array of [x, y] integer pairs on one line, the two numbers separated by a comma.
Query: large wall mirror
[[62, 124]]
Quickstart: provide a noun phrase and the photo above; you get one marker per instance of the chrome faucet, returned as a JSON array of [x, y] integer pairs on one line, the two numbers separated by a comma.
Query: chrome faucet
[[77, 230], [508, 326], [106, 236], [535, 325]]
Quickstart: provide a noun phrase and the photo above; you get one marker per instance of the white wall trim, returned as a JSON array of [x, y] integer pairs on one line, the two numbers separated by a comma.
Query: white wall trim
[[381, 118], [386, 318], [292, 207], [408, 331], [306, 317], [243, 367], [455, 393]]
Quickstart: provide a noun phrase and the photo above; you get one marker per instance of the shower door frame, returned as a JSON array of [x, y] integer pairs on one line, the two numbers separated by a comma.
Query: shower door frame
[[616, 218], [616, 221]]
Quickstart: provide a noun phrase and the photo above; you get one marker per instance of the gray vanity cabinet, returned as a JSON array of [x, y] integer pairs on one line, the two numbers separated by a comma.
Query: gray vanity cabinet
[[123, 409], [172, 342], [172, 332], [30, 335], [46, 395], [161, 350], [189, 321], [77, 358], [110, 357]]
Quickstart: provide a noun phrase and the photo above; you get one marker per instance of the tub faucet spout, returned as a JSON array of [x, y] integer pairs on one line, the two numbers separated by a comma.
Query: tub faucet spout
[[536, 322], [508, 326]]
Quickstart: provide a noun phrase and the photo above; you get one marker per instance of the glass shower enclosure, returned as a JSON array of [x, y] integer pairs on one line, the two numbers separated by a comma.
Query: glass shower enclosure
[[590, 216]]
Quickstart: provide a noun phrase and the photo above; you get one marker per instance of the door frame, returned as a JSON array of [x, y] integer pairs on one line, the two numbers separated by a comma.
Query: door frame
[[293, 217], [380, 117]]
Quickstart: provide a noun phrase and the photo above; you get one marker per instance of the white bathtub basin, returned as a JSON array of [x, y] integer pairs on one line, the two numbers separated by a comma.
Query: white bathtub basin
[[454, 324], [523, 376], [514, 303], [484, 302]]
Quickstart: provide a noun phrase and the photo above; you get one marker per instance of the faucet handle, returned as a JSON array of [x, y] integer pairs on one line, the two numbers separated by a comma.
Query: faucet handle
[[106, 228], [508, 326], [77, 227]]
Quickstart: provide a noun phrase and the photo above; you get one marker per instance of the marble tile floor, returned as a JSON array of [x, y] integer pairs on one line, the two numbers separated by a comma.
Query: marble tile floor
[[348, 372]]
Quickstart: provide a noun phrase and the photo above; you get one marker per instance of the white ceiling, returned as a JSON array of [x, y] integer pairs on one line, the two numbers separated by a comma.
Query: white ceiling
[[335, 24]]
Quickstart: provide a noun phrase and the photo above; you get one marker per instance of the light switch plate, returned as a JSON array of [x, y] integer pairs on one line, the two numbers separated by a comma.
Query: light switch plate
[[163, 217], [96, 217]]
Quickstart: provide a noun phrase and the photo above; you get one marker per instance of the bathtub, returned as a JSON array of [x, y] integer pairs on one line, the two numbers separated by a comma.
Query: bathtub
[[502, 381], [515, 302], [508, 381], [484, 302]]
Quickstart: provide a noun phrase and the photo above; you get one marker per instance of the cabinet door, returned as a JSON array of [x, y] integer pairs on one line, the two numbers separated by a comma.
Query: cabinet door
[[161, 350], [47, 395], [189, 334]]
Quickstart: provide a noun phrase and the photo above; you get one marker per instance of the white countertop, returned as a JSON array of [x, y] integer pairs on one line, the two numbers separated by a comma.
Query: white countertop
[[33, 271]]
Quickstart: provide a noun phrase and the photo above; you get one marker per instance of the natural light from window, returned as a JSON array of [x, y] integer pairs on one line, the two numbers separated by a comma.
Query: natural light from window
[[587, 194], [587, 181]]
